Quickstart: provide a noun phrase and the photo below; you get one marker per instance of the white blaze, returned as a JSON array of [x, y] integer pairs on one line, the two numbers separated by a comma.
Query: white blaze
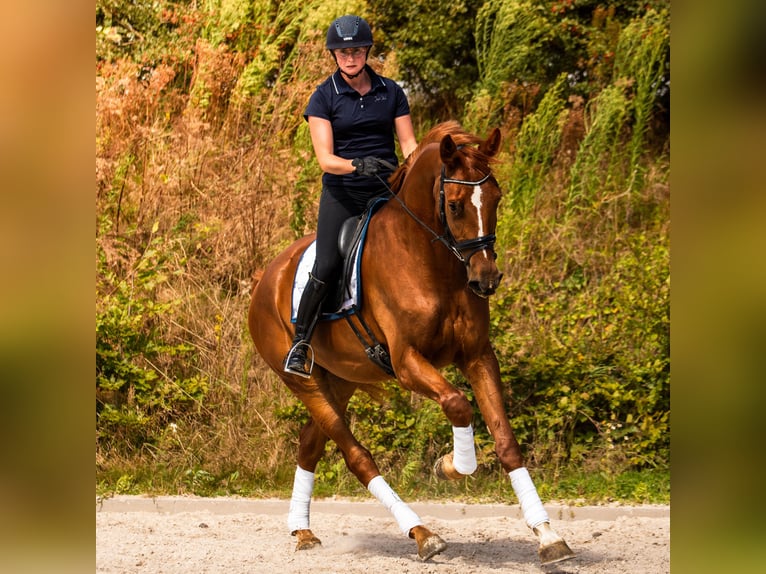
[[476, 201]]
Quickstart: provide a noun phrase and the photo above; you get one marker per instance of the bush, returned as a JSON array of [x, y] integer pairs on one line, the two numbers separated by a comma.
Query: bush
[[144, 379]]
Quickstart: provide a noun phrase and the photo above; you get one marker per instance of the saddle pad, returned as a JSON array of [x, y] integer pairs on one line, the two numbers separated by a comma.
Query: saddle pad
[[352, 288]]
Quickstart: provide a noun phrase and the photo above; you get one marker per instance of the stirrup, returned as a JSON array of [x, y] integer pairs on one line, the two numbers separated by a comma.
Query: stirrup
[[293, 349]]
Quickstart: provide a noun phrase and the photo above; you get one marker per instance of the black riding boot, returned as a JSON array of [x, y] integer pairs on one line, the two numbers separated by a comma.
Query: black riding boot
[[305, 321]]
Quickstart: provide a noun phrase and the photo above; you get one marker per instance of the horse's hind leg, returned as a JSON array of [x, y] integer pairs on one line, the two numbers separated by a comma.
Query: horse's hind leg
[[327, 409], [310, 450], [312, 441]]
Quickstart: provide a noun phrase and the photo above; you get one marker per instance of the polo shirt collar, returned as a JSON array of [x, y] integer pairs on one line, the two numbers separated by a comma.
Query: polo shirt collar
[[341, 86]]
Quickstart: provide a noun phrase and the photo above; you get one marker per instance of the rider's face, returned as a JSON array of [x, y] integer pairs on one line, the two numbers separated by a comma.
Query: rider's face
[[351, 59]]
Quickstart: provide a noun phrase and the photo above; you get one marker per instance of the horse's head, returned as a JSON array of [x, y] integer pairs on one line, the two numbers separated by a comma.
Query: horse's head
[[468, 199]]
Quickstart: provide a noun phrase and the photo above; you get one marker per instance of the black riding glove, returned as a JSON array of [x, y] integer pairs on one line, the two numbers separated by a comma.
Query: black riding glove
[[367, 166]]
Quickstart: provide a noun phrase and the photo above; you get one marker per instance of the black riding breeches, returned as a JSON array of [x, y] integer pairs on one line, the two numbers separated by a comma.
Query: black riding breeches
[[334, 209]]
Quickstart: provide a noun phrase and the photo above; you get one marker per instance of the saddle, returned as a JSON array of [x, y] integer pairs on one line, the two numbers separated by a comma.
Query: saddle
[[350, 244], [344, 298]]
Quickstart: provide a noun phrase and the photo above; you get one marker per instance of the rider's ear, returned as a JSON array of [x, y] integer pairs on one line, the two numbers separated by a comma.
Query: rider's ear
[[447, 150]]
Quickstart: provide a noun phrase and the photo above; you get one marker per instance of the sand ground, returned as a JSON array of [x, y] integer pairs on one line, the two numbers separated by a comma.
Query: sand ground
[[232, 535]]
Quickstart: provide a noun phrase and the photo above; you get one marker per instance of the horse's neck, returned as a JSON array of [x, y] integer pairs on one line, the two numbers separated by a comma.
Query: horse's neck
[[416, 219], [417, 191]]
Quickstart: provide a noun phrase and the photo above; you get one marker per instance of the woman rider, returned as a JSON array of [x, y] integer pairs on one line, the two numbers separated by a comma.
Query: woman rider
[[352, 118]]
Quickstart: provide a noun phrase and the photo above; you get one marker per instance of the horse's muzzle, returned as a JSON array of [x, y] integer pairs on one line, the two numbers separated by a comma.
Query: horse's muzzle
[[485, 287]]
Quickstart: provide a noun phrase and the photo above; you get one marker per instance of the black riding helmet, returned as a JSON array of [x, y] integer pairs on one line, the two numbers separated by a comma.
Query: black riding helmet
[[348, 32]]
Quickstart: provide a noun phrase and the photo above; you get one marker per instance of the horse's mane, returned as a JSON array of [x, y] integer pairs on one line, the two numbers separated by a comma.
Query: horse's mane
[[435, 135]]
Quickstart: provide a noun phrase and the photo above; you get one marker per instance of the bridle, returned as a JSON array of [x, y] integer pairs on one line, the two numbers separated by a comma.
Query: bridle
[[458, 247], [447, 238]]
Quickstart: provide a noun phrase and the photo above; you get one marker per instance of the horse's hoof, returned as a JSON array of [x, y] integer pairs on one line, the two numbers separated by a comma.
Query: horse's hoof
[[431, 546], [444, 469], [306, 540], [555, 552]]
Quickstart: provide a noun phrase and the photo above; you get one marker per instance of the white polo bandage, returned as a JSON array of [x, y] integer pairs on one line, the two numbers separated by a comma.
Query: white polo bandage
[[464, 458], [404, 515], [303, 487], [531, 506]]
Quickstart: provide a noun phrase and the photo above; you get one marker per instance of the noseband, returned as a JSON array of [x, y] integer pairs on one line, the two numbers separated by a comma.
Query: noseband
[[473, 246]]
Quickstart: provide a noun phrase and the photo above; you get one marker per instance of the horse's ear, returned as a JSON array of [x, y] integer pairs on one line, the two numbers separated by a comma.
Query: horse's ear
[[447, 150], [491, 145]]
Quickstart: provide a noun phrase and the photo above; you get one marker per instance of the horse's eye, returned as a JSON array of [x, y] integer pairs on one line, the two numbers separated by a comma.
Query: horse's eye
[[454, 207]]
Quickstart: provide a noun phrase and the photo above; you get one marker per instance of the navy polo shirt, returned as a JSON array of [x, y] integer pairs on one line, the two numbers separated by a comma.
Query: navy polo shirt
[[361, 125]]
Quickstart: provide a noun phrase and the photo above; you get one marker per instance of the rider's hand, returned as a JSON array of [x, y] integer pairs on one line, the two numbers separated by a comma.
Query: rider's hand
[[367, 166]]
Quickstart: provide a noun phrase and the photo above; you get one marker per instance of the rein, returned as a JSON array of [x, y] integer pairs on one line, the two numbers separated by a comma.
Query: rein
[[447, 239]]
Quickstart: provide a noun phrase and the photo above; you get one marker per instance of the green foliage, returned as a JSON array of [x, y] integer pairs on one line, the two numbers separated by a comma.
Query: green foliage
[[531, 43], [304, 187], [589, 362], [515, 40], [536, 146], [272, 27], [200, 128], [143, 379], [642, 60], [633, 487], [621, 113], [147, 31], [599, 168], [434, 47]]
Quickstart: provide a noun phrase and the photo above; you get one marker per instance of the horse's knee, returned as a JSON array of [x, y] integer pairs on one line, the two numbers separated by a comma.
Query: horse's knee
[[457, 409]]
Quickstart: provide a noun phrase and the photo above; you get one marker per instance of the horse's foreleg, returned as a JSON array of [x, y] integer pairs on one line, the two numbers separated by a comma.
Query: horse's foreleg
[[484, 376], [552, 547], [462, 460], [419, 375]]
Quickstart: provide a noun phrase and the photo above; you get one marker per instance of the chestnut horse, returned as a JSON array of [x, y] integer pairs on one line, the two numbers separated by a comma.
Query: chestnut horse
[[428, 266]]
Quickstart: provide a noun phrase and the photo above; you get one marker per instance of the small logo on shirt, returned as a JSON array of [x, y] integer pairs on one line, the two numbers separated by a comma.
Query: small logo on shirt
[[380, 98]]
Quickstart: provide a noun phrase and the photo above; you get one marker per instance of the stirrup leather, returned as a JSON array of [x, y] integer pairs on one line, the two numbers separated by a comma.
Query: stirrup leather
[[300, 373]]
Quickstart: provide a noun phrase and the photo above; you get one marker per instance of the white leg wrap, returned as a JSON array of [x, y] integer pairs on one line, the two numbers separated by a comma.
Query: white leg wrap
[[303, 486], [464, 458], [531, 506], [404, 515]]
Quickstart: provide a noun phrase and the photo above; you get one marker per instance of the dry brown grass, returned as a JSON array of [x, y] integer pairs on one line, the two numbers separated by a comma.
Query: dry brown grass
[[214, 170]]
